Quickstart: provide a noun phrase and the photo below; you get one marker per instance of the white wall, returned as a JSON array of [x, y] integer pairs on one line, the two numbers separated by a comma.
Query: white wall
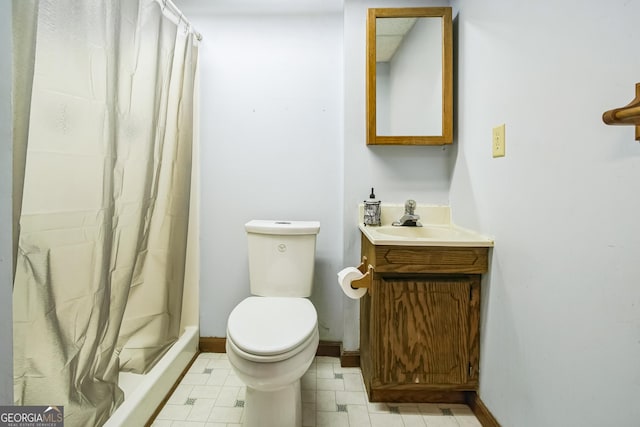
[[561, 307], [6, 242], [416, 81], [271, 114]]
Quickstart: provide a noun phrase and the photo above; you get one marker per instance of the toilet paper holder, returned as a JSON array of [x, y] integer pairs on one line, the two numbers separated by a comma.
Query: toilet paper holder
[[367, 270]]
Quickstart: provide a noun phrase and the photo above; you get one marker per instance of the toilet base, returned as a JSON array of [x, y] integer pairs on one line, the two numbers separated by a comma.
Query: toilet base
[[275, 408]]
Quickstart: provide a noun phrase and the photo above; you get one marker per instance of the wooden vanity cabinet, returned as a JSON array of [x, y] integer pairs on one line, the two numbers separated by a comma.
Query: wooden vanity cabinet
[[419, 322]]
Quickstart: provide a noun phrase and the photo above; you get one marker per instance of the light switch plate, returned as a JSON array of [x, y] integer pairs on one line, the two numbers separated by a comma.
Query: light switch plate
[[498, 141]]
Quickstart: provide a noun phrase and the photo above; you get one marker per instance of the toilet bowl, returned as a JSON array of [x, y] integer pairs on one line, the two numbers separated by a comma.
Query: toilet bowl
[[271, 342]]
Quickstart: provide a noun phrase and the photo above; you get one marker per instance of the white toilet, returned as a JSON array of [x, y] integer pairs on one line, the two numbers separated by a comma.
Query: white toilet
[[272, 336]]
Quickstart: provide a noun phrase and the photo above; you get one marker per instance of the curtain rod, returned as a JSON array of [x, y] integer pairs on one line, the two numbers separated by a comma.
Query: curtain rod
[[168, 4]]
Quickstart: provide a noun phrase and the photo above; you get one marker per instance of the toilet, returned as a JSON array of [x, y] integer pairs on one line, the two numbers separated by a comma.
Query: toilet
[[272, 336]]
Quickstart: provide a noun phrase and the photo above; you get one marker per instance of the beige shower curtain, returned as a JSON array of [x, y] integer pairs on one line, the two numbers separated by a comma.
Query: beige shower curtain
[[105, 206]]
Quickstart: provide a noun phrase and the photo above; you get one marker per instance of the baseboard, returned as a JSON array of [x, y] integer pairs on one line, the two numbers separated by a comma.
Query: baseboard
[[329, 348], [349, 359], [213, 345], [325, 348], [481, 411]]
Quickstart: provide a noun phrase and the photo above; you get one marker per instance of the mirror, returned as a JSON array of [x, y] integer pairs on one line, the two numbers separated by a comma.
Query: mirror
[[409, 76]]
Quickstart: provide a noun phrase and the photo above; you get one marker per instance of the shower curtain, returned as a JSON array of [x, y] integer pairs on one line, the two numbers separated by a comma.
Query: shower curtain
[[105, 202]]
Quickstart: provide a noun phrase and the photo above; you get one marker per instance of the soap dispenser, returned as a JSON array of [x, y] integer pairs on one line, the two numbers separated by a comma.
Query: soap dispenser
[[372, 210]]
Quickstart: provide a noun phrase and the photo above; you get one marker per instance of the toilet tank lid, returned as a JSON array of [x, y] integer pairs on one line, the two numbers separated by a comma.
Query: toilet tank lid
[[262, 226]]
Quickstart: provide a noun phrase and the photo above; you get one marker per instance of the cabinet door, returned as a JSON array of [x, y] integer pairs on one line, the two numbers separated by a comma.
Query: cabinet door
[[425, 330]]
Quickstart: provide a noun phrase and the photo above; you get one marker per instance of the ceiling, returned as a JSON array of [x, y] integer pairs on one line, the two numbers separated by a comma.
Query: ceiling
[[389, 34]]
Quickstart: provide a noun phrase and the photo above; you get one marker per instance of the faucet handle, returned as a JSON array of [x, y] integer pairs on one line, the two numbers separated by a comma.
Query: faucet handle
[[409, 207]]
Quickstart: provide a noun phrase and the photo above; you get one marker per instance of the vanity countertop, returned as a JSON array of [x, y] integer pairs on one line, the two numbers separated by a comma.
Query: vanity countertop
[[437, 229]]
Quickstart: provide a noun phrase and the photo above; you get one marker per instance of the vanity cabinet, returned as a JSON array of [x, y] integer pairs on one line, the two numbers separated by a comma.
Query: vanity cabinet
[[419, 322]]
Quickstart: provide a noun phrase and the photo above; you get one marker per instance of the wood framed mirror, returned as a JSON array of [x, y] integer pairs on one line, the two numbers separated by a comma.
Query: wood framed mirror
[[409, 76]]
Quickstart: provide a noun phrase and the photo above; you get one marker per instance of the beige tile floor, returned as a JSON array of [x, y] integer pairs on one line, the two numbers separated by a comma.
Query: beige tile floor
[[210, 395]]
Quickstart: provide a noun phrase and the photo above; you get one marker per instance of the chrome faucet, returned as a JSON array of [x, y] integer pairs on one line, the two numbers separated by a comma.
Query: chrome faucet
[[409, 219]]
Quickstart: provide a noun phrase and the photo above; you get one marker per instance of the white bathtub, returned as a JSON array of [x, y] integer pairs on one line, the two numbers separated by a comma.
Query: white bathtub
[[143, 393]]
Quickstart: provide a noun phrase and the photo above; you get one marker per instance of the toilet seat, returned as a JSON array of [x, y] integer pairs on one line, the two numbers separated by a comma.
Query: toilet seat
[[272, 328]]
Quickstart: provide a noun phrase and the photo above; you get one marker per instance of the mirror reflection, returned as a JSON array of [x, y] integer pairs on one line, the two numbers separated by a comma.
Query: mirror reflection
[[409, 76]]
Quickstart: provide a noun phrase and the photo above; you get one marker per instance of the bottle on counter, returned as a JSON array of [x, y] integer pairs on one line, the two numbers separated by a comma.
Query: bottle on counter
[[372, 210]]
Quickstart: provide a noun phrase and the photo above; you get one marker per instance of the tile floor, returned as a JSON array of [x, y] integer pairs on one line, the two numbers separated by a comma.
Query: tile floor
[[210, 395]]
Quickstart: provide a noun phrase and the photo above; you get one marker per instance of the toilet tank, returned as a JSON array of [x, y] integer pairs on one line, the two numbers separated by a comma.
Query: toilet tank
[[281, 257]]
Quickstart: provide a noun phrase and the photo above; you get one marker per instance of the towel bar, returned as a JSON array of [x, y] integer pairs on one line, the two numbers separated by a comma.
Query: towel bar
[[627, 115]]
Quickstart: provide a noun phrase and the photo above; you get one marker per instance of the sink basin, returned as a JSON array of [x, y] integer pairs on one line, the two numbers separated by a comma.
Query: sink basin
[[425, 232], [427, 235]]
